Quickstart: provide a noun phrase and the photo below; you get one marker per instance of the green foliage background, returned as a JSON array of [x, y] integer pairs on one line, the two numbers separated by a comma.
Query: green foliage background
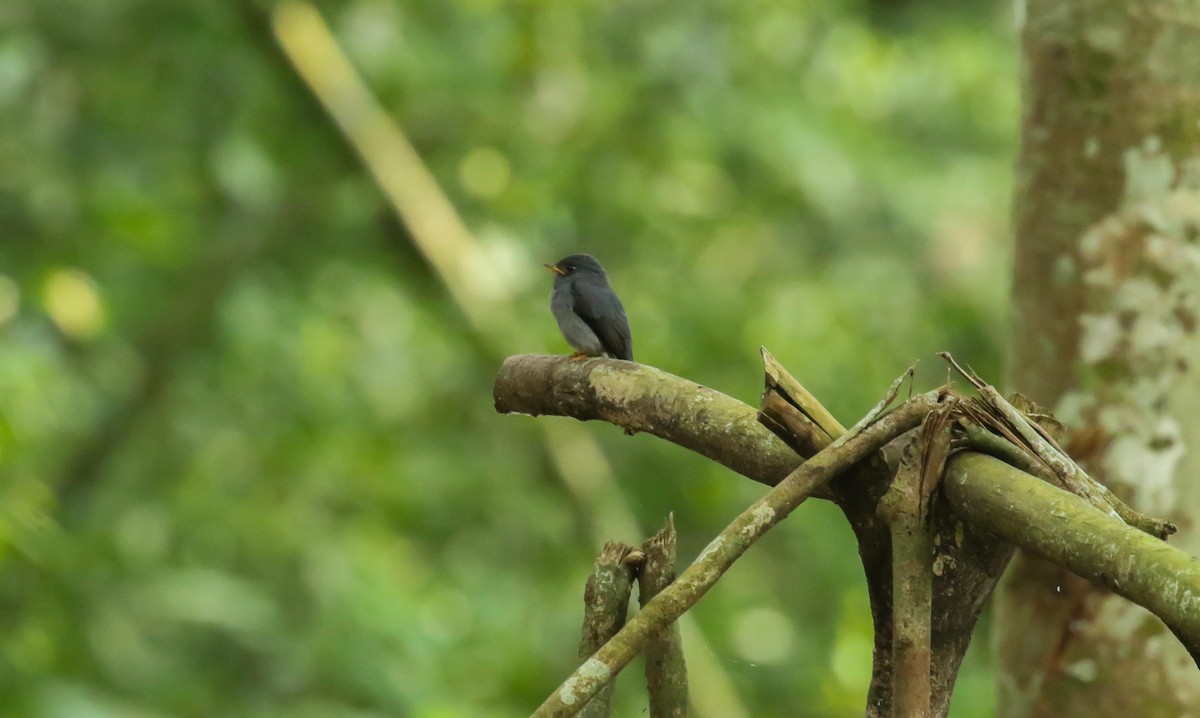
[[249, 464]]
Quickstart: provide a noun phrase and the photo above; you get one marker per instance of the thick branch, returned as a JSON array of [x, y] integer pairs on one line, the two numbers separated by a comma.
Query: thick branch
[[642, 398], [1070, 532]]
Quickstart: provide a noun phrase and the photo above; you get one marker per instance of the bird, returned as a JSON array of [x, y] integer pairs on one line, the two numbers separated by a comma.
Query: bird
[[588, 312]]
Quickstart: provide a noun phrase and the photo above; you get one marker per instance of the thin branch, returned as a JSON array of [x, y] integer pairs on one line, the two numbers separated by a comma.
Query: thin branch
[[752, 523], [873, 415]]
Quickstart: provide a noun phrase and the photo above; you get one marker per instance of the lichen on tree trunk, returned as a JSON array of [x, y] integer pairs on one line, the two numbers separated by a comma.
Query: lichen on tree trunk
[[1106, 299]]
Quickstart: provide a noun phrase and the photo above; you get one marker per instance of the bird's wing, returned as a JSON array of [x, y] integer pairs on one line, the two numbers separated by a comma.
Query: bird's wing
[[598, 305]]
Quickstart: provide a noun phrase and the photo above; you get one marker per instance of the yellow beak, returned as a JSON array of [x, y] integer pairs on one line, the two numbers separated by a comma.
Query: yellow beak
[[556, 269]]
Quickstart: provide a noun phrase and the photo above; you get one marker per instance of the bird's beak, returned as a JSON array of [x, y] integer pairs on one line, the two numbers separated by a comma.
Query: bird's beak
[[556, 269]]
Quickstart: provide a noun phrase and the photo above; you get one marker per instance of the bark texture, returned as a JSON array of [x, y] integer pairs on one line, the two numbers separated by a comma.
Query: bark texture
[[1106, 298]]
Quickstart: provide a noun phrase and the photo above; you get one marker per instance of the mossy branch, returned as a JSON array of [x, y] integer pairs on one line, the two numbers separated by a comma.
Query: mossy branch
[[1069, 531], [637, 397]]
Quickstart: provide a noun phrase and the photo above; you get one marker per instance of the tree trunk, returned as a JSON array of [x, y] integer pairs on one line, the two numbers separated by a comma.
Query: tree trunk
[[1106, 296]]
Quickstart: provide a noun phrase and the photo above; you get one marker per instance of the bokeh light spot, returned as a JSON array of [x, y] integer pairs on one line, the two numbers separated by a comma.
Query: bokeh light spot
[[246, 172], [484, 172], [72, 300], [762, 635]]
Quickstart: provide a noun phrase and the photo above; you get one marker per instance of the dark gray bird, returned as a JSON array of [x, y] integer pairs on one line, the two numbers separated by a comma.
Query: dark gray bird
[[587, 310]]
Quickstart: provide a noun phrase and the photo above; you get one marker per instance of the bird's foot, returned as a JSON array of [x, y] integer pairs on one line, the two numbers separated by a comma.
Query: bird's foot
[[580, 356]]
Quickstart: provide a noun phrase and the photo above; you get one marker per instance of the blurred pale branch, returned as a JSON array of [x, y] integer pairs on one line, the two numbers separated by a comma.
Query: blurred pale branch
[[412, 190]]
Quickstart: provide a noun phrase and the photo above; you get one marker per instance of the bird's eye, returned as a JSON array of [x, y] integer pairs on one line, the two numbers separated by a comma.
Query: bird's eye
[[570, 267]]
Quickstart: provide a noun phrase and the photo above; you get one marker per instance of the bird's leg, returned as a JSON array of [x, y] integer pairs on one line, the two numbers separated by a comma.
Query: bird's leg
[[580, 356]]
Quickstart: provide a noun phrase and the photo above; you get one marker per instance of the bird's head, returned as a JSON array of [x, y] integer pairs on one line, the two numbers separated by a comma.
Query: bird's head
[[581, 263]]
